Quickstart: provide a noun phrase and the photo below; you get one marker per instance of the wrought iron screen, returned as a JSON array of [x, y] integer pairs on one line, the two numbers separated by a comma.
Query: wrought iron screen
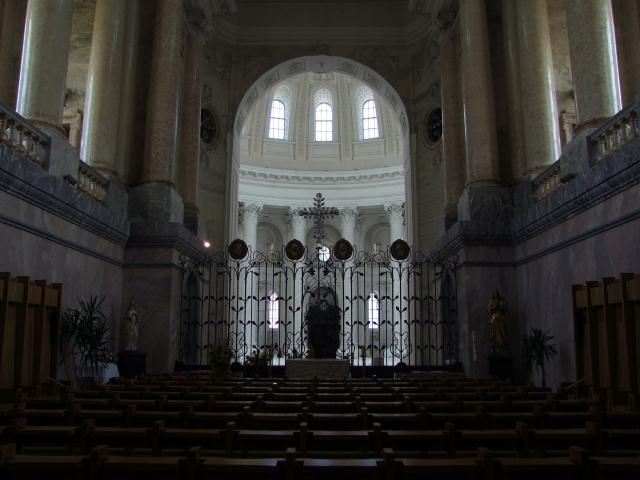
[[390, 311]]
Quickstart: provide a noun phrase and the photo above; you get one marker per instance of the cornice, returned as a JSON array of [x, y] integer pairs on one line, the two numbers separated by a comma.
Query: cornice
[[226, 31], [351, 176]]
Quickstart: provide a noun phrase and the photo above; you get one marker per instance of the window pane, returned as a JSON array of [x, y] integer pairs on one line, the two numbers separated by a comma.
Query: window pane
[[273, 310], [324, 123], [374, 311], [369, 120], [277, 120]]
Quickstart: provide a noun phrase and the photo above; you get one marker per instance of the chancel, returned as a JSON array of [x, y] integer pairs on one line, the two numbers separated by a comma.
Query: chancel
[[368, 238]]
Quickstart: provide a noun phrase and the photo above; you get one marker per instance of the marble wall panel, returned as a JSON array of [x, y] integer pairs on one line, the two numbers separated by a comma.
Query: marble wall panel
[[42, 246]]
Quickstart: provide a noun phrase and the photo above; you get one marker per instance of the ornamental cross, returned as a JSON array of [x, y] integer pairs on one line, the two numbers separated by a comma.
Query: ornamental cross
[[319, 212]]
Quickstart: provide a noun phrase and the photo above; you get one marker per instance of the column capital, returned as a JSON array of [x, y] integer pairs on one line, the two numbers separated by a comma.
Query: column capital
[[294, 216], [395, 212], [349, 215], [250, 212]]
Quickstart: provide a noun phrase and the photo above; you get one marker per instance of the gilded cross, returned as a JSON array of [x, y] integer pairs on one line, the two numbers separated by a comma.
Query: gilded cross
[[319, 212]]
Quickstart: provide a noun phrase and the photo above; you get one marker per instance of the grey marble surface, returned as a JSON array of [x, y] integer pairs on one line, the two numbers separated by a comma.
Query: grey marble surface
[[585, 230]]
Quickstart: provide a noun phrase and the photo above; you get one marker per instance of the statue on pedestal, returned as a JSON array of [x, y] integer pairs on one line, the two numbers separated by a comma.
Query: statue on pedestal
[[133, 323], [498, 324]]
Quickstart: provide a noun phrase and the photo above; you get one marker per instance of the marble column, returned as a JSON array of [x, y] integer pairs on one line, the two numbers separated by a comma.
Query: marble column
[[626, 14], [43, 69], [164, 94], [12, 21], [396, 221], [250, 216], [130, 164], [190, 131], [249, 288], [298, 225], [348, 221], [481, 146], [452, 127], [514, 97], [156, 199], [102, 99], [295, 314], [398, 287], [593, 61], [541, 123]]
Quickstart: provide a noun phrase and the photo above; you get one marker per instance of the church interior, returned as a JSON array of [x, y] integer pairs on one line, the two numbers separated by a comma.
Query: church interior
[[297, 238]]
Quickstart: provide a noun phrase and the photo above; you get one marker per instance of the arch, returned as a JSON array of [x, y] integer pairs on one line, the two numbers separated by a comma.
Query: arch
[[322, 64]]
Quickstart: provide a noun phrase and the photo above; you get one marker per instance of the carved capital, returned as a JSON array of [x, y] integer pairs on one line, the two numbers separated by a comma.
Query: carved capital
[[395, 212], [295, 218], [349, 215], [250, 212]]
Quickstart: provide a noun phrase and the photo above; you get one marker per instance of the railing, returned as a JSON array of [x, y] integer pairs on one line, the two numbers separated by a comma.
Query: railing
[[386, 311], [22, 137], [91, 182], [617, 132], [547, 182]]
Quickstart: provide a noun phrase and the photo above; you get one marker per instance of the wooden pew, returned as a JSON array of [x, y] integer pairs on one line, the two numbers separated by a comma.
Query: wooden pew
[[241, 469], [15, 466]]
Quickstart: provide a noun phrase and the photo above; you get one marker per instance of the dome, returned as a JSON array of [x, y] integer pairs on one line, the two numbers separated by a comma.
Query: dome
[[321, 131]]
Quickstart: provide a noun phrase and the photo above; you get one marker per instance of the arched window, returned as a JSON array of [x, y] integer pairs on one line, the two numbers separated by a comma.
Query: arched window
[[373, 309], [277, 120], [324, 123], [369, 120], [273, 310]]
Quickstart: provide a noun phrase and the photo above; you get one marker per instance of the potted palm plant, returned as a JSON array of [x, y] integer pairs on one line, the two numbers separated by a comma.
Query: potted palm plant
[[537, 347], [84, 339]]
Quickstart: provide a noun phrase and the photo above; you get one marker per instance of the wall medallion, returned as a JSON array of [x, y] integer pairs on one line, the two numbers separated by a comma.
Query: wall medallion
[[210, 131], [343, 250], [238, 249], [400, 250], [294, 250], [432, 127]]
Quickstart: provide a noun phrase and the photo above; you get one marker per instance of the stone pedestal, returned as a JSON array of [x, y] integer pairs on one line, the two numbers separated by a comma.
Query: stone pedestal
[[488, 207], [501, 366], [153, 203], [317, 367], [132, 363]]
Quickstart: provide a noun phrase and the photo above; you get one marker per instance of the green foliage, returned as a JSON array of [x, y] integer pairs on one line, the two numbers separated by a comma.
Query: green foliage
[[537, 347], [220, 357], [84, 337], [260, 358]]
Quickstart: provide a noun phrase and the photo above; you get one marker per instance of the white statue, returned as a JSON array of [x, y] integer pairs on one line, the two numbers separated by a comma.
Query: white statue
[[132, 326]]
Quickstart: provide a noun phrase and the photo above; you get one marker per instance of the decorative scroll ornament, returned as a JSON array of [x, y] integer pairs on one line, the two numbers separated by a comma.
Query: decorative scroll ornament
[[238, 249], [400, 250], [343, 250]]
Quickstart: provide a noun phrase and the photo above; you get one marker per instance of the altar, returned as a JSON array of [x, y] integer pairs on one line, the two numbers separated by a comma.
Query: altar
[[317, 367]]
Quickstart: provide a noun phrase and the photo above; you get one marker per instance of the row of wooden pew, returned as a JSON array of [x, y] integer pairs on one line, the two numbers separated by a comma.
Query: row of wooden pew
[[196, 427], [235, 440], [100, 465]]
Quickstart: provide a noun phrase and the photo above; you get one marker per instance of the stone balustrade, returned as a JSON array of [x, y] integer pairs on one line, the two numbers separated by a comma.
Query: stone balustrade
[[22, 137], [91, 182], [547, 182], [617, 132]]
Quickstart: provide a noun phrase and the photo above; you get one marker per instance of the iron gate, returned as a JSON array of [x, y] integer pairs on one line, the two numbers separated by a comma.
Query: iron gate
[[391, 311]]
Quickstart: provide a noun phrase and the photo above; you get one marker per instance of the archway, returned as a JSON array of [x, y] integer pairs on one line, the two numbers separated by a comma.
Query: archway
[[321, 64]]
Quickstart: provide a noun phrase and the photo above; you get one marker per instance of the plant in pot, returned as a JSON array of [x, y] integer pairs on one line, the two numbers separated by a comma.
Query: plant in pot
[[260, 360], [537, 347], [219, 359], [84, 339]]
